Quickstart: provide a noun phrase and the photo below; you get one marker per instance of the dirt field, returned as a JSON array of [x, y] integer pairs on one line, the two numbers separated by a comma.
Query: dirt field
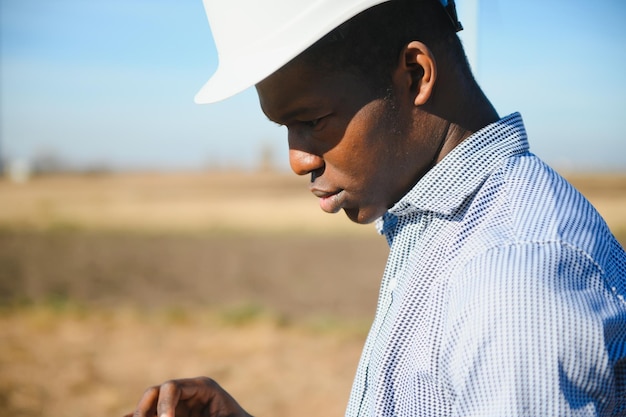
[[111, 283]]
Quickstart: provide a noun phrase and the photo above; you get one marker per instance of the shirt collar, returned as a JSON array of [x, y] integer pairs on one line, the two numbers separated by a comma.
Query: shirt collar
[[448, 184]]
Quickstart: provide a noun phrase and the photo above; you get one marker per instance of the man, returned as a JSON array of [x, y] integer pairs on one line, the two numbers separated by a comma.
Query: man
[[504, 289]]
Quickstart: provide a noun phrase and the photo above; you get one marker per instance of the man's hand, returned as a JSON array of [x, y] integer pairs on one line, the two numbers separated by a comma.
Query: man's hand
[[197, 397]]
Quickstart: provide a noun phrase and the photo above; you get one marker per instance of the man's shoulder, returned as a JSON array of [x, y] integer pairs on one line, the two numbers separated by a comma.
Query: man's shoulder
[[526, 201]]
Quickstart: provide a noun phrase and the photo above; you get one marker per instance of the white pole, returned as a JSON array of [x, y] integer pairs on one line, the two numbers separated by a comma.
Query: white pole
[[468, 11]]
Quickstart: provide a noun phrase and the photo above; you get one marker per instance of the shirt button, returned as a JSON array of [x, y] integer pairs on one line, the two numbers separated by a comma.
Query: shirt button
[[393, 283]]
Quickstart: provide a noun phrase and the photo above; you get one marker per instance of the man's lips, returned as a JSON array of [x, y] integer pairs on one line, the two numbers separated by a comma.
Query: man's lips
[[323, 194], [330, 201]]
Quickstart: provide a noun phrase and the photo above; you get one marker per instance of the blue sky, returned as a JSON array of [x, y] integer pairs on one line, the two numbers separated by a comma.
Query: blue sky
[[112, 83]]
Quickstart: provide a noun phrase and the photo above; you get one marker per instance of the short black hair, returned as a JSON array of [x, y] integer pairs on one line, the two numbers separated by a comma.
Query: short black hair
[[369, 44]]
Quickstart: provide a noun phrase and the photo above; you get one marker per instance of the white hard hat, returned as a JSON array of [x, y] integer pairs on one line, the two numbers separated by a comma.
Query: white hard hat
[[254, 38]]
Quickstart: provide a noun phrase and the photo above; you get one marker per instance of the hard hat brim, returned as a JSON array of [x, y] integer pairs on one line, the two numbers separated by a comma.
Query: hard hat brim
[[242, 66]]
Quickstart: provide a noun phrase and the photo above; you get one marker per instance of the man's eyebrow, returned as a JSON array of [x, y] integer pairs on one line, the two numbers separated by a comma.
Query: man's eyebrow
[[292, 115]]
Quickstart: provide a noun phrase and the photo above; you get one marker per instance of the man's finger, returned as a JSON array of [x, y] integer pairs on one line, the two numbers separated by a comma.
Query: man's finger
[[147, 406], [169, 395]]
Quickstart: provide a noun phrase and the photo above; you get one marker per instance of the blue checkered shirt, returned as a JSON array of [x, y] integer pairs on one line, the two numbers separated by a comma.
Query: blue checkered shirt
[[503, 294]]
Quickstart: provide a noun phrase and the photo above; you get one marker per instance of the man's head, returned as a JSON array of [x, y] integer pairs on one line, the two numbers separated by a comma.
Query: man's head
[[372, 105], [357, 105]]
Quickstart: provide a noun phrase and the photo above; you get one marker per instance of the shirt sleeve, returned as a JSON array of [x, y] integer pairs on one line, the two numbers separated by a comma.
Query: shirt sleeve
[[529, 333]]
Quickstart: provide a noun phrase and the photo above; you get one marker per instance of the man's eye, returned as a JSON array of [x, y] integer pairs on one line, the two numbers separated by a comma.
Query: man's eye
[[315, 123], [311, 123]]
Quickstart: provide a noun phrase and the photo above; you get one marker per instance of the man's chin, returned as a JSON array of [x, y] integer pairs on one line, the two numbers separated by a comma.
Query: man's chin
[[361, 216]]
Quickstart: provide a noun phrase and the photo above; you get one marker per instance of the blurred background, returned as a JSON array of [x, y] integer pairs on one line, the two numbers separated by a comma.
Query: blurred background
[[143, 237]]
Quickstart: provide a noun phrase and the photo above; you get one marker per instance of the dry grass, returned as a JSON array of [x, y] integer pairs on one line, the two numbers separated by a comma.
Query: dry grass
[[71, 363], [179, 202], [97, 361]]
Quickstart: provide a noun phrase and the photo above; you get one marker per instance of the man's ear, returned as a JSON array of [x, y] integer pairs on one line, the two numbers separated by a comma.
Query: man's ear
[[417, 71]]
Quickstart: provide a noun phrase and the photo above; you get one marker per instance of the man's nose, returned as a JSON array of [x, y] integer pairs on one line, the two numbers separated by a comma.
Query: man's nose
[[303, 162]]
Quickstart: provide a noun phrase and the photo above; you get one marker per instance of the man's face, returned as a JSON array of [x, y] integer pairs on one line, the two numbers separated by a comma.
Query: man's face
[[358, 147]]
